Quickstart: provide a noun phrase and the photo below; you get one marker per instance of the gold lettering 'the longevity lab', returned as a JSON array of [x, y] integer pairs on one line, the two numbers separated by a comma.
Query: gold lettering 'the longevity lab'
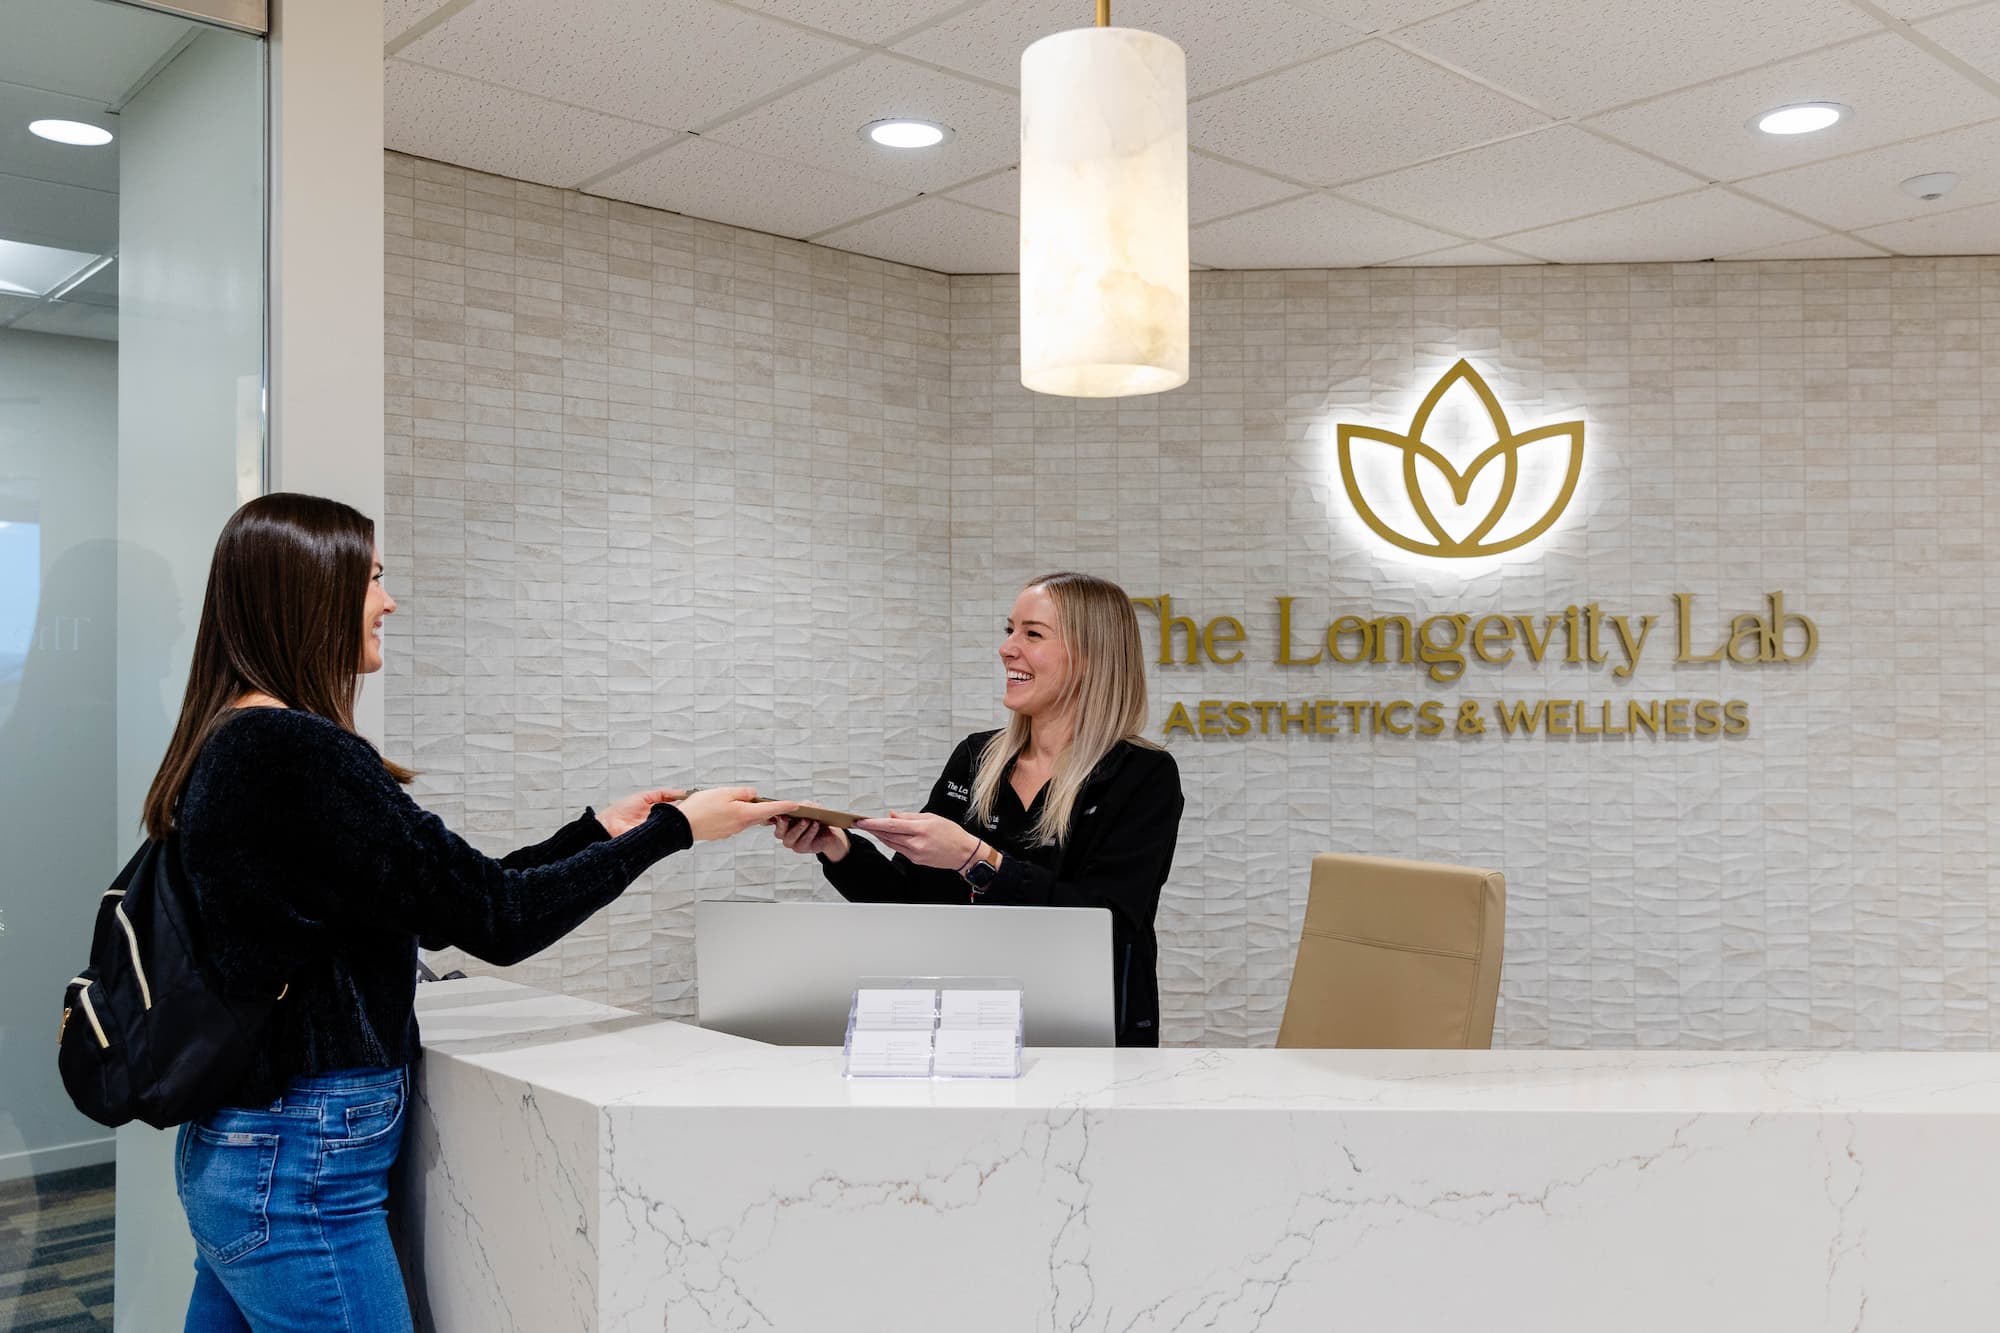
[[1446, 644], [1751, 637], [1441, 643]]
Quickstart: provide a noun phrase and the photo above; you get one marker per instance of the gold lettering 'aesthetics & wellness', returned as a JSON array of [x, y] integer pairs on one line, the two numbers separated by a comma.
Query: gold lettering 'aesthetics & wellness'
[[1444, 646]]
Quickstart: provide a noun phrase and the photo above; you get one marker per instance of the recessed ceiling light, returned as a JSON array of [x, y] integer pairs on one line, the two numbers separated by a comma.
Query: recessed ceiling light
[[71, 132], [905, 133], [1800, 118]]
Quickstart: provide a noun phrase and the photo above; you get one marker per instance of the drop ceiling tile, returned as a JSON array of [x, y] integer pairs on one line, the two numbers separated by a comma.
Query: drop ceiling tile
[[1540, 178], [1897, 92], [1226, 41], [86, 50], [1344, 116], [712, 180], [1863, 190], [1313, 232], [1574, 58], [1461, 256], [936, 234], [1001, 193], [430, 113], [678, 63], [1215, 189], [1701, 225], [1911, 10], [1968, 231], [399, 16], [1973, 35], [1827, 246], [868, 21], [821, 123], [1378, 15]]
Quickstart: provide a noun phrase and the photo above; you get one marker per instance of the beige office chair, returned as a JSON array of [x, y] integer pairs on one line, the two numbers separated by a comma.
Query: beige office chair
[[1401, 954]]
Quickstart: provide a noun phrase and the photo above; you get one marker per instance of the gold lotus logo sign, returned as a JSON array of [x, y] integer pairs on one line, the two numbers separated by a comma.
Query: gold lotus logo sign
[[1476, 531]]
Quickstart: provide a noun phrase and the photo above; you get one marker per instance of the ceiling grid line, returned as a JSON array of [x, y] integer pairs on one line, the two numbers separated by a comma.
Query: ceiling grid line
[[1712, 81], [861, 53], [884, 44], [552, 101], [1620, 186], [423, 26], [1916, 37]]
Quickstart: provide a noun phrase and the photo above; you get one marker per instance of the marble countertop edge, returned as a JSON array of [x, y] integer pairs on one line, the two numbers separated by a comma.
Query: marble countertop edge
[[612, 1058]]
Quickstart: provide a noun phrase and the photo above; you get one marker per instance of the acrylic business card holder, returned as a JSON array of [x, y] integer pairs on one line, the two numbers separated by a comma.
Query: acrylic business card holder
[[934, 1027]]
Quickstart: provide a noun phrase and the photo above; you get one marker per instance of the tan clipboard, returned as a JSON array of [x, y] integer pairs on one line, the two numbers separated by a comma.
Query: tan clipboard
[[830, 818]]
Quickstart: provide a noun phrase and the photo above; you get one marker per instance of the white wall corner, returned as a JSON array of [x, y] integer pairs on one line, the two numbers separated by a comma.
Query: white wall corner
[[326, 386]]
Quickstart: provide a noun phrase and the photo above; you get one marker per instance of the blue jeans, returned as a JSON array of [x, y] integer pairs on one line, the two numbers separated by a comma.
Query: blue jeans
[[288, 1204]]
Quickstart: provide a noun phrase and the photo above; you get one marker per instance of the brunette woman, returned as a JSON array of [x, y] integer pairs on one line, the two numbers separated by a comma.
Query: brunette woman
[[1067, 806], [314, 873]]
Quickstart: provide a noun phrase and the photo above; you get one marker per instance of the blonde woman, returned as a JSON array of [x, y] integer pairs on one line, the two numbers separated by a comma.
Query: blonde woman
[[1065, 807]]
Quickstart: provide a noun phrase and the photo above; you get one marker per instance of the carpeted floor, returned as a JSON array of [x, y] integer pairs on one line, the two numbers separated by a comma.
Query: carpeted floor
[[55, 1252]]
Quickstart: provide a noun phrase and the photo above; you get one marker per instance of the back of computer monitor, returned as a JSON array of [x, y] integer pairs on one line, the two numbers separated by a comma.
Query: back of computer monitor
[[785, 973]]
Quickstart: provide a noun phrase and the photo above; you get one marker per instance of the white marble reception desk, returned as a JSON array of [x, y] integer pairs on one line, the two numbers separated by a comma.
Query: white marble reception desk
[[573, 1167]]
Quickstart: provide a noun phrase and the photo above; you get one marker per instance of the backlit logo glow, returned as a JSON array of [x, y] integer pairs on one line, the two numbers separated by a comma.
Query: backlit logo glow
[[1413, 495]]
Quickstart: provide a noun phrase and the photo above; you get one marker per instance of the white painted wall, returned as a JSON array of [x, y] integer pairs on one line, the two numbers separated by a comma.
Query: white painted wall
[[58, 745], [326, 261]]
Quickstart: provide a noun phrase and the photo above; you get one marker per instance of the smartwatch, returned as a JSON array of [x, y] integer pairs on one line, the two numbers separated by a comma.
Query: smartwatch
[[981, 874]]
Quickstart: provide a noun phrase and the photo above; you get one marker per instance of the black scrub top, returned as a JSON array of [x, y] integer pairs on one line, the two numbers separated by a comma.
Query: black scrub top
[[1120, 848]]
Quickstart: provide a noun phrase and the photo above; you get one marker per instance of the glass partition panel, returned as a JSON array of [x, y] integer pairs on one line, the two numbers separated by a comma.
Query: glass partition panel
[[131, 422]]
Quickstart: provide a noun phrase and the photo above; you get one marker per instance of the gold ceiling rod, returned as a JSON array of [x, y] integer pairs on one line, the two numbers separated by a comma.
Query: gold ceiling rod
[[1103, 13]]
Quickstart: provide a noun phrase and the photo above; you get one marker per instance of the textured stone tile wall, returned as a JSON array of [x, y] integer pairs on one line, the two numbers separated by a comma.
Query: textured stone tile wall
[[668, 504], [1827, 429], [674, 500]]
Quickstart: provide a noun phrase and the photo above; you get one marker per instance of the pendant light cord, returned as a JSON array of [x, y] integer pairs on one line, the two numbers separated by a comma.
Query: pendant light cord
[[1103, 13]]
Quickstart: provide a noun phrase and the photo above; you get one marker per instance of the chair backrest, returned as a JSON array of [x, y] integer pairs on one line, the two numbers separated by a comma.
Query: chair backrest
[[1401, 954]]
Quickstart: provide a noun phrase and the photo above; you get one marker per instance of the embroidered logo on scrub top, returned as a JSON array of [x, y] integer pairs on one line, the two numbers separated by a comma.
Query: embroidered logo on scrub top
[[957, 791]]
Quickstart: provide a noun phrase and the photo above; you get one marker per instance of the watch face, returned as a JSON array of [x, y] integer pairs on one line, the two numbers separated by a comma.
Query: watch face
[[981, 874]]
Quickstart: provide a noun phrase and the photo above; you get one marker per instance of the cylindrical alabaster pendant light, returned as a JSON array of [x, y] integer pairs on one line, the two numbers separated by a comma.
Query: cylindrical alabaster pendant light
[[1104, 213]]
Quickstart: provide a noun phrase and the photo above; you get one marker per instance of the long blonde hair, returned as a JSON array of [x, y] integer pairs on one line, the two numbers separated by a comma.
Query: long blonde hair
[[1105, 693]]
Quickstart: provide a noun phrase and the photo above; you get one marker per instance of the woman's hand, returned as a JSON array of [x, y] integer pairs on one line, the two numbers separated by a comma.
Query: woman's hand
[[928, 840], [723, 812], [809, 837], [627, 813]]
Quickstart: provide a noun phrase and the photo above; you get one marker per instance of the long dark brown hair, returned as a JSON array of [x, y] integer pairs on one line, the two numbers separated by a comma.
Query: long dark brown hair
[[282, 616]]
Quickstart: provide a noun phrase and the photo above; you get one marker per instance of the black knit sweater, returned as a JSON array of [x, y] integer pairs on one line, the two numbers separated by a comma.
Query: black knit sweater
[[310, 867]]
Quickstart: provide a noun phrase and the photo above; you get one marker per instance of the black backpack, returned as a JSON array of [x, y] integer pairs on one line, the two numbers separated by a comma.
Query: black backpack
[[148, 1031]]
